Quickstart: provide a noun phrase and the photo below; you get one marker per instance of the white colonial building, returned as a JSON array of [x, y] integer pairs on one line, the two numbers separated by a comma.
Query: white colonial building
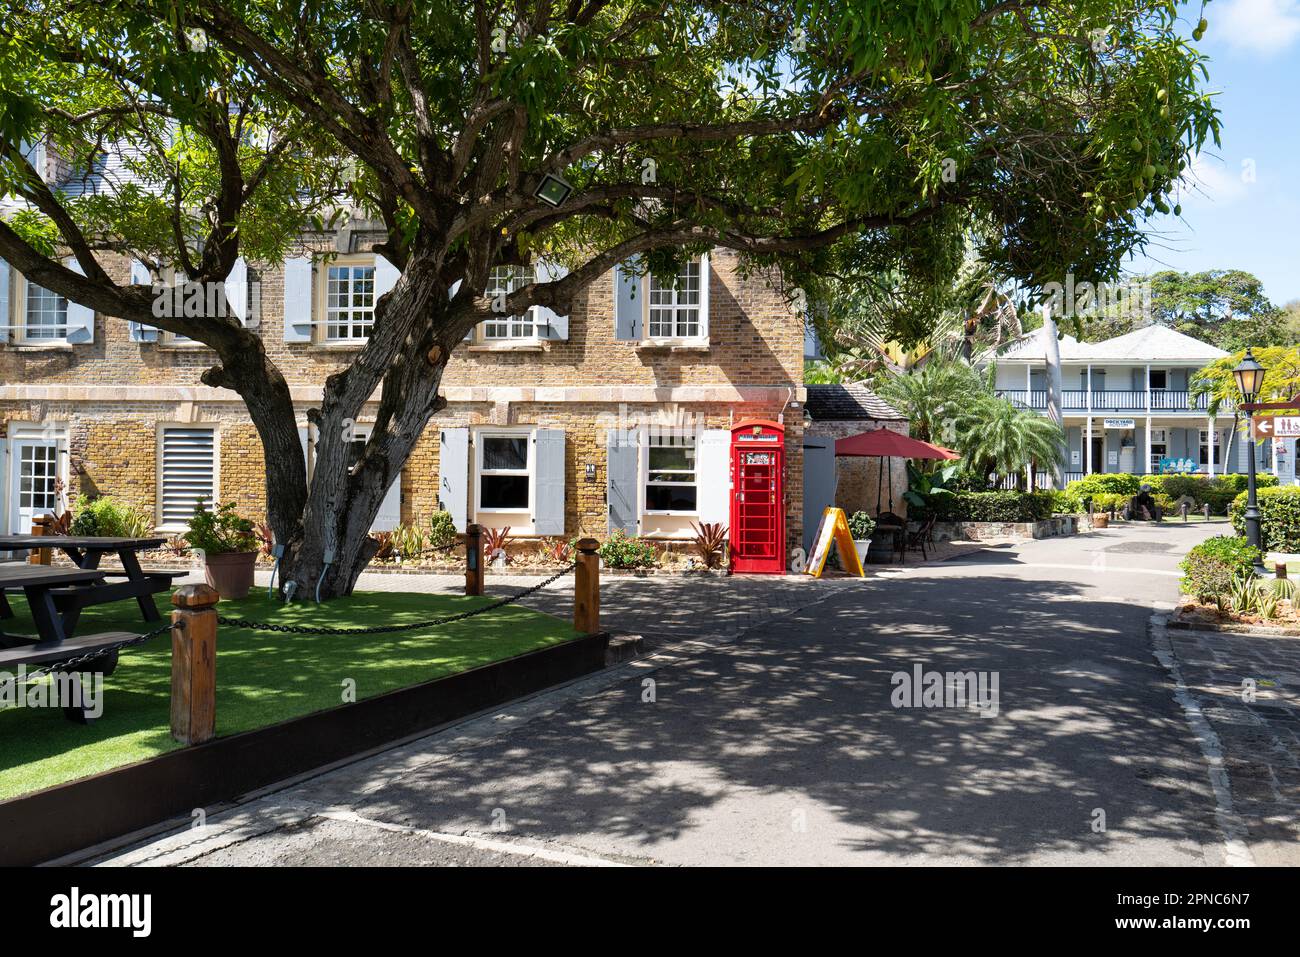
[[1127, 406]]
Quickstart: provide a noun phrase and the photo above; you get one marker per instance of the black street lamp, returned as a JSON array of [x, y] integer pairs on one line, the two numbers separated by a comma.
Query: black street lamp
[[1250, 380]]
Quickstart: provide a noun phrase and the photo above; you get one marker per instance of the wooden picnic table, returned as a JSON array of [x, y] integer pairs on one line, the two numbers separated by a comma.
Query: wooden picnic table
[[38, 583], [86, 553], [52, 645]]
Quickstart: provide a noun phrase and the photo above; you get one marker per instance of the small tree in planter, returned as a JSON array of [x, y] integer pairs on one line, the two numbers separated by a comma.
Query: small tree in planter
[[228, 544], [861, 525]]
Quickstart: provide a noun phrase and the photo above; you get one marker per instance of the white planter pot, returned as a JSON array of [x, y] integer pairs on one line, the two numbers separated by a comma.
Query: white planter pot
[[862, 547]]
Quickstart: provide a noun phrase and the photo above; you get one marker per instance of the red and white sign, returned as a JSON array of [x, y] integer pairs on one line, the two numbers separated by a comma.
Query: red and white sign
[[1276, 426]]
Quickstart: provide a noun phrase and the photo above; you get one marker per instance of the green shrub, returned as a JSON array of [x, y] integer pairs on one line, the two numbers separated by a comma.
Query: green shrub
[[442, 529], [1105, 501], [1218, 491], [620, 551], [1279, 517], [1113, 483], [1066, 503], [1001, 506], [108, 517], [220, 531], [1211, 566]]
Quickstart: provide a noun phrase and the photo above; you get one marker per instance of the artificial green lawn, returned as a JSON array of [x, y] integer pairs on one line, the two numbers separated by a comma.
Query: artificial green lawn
[[262, 677]]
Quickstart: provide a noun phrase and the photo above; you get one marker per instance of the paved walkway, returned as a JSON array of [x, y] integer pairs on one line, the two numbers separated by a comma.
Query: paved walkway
[[763, 732]]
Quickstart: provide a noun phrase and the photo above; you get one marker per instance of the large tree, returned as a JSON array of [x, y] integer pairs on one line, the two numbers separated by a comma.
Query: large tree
[[824, 139]]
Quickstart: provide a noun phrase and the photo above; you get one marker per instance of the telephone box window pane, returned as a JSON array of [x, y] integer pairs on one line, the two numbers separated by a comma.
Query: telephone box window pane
[[503, 491]]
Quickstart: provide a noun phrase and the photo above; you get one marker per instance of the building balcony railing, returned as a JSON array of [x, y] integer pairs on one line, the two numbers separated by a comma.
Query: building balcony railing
[[1114, 400]]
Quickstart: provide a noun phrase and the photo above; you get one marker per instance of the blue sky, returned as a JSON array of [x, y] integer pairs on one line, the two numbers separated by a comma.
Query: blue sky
[[1230, 221]]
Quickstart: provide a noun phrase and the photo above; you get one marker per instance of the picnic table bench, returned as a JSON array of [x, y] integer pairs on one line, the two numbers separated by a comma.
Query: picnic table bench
[[52, 643], [86, 553]]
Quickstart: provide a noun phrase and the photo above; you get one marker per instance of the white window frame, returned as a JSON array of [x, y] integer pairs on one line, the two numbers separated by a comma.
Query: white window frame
[[354, 316], [530, 445], [160, 524], [645, 440], [518, 329], [674, 300], [16, 322]]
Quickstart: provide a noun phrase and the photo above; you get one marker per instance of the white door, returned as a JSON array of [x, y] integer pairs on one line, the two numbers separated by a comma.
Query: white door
[[34, 469]]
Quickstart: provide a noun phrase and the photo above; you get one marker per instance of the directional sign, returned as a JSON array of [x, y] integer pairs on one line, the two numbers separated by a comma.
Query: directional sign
[[1275, 426]]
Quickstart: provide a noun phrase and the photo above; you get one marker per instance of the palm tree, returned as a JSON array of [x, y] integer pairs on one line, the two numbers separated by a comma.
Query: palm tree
[[996, 436], [934, 398]]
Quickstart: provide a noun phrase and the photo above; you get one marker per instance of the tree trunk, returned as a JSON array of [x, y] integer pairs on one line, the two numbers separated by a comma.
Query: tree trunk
[[410, 344]]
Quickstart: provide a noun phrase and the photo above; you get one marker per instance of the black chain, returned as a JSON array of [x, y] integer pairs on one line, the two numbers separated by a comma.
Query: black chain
[[387, 629], [70, 664]]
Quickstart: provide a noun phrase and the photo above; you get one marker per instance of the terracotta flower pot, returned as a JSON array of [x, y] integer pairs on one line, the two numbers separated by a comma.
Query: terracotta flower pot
[[1101, 520], [230, 573]]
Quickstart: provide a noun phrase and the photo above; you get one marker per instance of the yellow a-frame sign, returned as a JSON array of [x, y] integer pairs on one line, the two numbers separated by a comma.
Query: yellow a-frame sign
[[834, 526]]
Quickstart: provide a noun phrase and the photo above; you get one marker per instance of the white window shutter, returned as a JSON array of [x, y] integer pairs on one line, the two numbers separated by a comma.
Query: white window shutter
[[549, 469], [629, 297], [386, 276], [453, 475], [4, 305], [140, 332], [297, 299], [390, 509], [237, 291], [81, 319], [704, 296], [713, 476], [187, 473], [550, 324]]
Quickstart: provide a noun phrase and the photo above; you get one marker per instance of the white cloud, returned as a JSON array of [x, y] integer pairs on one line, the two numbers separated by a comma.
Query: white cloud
[[1212, 181], [1256, 26]]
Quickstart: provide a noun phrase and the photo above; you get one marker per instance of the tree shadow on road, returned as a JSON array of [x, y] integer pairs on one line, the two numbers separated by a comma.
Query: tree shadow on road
[[792, 726]]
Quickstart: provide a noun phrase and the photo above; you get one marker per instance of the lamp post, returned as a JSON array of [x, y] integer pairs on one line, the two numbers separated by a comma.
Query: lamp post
[[1250, 381]]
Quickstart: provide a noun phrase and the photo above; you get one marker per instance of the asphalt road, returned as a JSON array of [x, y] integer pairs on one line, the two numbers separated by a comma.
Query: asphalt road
[[780, 744]]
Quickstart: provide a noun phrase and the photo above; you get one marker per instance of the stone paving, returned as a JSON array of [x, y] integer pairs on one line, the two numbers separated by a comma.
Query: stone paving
[[1259, 734]]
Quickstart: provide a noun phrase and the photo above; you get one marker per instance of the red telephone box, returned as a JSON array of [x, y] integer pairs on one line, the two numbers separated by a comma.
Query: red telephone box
[[758, 497]]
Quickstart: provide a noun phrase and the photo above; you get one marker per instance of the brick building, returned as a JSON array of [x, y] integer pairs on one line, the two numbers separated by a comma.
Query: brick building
[[615, 416]]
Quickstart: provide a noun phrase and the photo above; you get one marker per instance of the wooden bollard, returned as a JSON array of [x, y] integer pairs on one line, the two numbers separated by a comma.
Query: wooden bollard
[[40, 556], [474, 560], [586, 588], [194, 663], [1279, 569]]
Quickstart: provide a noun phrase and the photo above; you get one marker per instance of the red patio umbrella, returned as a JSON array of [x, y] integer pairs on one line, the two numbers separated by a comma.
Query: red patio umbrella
[[885, 443]]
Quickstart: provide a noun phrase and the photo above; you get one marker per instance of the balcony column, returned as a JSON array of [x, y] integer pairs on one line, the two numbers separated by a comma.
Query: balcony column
[[1147, 465], [1090, 393], [1149, 396]]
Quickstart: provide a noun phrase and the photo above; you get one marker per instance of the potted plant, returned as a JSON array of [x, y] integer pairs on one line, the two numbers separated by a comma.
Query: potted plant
[[861, 525], [228, 544]]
